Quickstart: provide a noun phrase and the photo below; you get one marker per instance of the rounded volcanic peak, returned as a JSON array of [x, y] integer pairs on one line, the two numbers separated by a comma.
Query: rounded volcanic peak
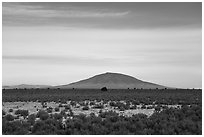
[[111, 81], [109, 77]]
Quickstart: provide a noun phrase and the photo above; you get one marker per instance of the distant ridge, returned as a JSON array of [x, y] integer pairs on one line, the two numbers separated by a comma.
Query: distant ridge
[[22, 86], [111, 81]]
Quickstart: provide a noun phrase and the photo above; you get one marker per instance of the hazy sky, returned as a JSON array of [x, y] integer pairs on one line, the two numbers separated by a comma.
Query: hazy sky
[[59, 43]]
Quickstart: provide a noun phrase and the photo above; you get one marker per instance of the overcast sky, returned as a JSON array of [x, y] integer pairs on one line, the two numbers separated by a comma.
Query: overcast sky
[[59, 43]]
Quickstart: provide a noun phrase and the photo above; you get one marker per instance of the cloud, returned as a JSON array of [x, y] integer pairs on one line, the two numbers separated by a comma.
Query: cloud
[[62, 60], [103, 15], [42, 11]]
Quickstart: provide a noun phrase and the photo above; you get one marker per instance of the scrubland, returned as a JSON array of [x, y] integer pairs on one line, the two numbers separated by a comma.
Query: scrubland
[[91, 111]]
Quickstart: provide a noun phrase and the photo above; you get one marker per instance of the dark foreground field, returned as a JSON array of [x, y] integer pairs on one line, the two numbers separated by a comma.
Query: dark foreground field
[[74, 111], [170, 96]]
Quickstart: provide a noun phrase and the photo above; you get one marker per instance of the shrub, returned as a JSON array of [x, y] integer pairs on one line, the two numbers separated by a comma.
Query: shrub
[[157, 108], [15, 128], [92, 115], [92, 103], [44, 106], [11, 110], [71, 113], [85, 108], [108, 114], [112, 104], [57, 109], [31, 119], [57, 116], [63, 112], [101, 111], [42, 115], [49, 110], [122, 109], [60, 105], [149, 107], [143, 107], [9, 117], [38, 127], [67, 107], [23, 113], [3, 112], [73, 103]]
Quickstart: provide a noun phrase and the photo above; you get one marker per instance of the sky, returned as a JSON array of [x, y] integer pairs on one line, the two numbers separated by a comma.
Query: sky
[[60, 43]]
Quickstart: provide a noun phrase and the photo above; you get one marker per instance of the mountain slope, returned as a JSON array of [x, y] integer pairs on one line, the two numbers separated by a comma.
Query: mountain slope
[[112, 81]]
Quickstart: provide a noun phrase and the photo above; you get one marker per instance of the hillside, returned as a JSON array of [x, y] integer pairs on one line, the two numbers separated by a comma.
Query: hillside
[[112, 81]]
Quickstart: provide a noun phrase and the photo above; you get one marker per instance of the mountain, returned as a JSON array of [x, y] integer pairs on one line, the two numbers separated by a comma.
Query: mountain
[[22, 86], [111, 81]]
